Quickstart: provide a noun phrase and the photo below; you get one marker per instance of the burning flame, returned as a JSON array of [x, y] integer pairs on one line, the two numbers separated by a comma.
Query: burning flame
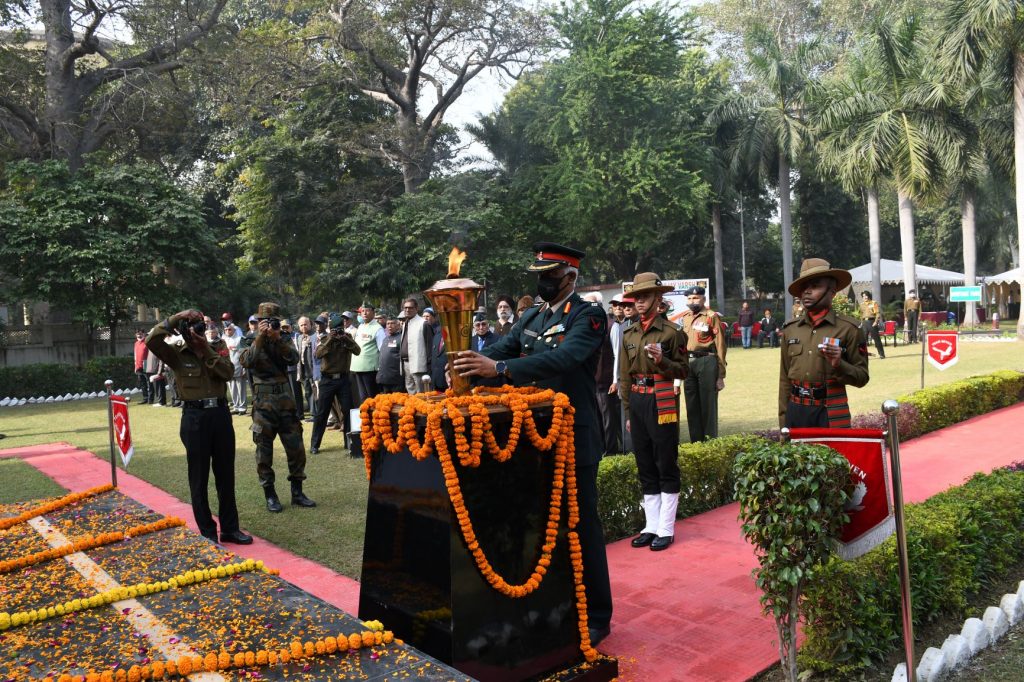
[[455, 259]]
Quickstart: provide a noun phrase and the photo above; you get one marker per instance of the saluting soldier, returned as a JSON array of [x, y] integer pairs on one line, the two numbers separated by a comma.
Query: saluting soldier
[[556, 345], [705, 345], [652, 355], [206, 430], [267, 356], [823, 352], [912, 310], [871, 317], [335, 352]]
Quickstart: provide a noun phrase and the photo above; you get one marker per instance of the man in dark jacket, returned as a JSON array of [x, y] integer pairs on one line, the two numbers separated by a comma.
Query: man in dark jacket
[[389, 376]]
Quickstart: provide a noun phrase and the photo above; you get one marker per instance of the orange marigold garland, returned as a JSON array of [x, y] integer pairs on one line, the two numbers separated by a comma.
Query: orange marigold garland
[[377, 433], [53, 505], [88, 542]]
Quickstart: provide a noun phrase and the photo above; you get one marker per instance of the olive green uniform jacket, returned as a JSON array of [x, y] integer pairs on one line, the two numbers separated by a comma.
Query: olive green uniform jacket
[[634, 360]]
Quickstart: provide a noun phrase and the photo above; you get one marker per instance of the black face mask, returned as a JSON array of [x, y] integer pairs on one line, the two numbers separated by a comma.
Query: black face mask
[[695, 307], [548, 287]]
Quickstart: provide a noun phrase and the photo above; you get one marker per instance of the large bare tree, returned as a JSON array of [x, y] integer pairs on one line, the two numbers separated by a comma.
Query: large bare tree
[[418, 56], [66, 91]]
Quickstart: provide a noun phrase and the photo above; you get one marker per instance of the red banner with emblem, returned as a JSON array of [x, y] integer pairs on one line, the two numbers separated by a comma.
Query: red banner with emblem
[[943, 349], [122, 429], [870, 507]]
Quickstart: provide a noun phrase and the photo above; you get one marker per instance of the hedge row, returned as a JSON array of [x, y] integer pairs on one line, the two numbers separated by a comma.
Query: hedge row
[[707, 483], [958, 542], [948, 404], [32, 381]]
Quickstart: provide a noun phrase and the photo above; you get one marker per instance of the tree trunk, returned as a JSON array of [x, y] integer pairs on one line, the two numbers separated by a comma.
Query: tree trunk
[[787, 231], [63, 101], [716, 232], [112, 345], [1018, 158], [875, 243], [970, 250], [907, 243]]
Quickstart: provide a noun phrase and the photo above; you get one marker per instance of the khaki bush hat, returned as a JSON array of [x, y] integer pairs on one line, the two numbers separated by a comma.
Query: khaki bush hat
[[813, 268]]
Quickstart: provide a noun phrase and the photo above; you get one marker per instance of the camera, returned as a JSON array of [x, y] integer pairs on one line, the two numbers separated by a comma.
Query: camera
[[198, 327]]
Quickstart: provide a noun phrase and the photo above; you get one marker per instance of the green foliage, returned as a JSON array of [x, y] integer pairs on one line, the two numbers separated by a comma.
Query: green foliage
[[952, 403], [791, 503], [843, 305], [98, 241], [958, 542], [33, 381], [706, 474]]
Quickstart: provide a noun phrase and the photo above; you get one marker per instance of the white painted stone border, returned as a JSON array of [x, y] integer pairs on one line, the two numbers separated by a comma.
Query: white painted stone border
[[18, 402], [976, 635]]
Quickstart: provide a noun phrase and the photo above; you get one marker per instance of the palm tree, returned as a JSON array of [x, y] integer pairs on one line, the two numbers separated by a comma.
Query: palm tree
[[882, 119], [767, 118], [980, 31]]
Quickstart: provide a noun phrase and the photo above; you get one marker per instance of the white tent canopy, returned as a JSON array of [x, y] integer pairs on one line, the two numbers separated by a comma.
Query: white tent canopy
[[892, 273], [1008, 277]]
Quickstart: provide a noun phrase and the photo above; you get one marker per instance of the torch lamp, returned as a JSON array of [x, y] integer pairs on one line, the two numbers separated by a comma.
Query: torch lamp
[[454, 299]]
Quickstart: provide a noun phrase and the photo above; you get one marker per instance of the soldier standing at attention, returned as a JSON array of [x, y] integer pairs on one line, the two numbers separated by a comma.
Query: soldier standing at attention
[[706, 349], [267, 357], [652, 355], [334, 352], [206, 429], [556, 345], [823, 352], [871, 316], [912, 309]]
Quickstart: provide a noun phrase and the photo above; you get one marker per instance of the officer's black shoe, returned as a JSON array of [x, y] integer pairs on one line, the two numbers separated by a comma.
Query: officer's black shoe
[[212, 537], [273, 504], [643, 539], [313, 450], [597, 634], [659, 543], [299, 498], [237, 537]]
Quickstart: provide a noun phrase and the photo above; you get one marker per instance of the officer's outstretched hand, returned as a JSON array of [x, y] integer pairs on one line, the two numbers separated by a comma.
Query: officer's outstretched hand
[[470, 364], [189, 314], [720, 384]]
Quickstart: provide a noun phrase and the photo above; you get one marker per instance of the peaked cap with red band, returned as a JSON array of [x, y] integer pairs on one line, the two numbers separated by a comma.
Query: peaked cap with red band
[[551, 256]]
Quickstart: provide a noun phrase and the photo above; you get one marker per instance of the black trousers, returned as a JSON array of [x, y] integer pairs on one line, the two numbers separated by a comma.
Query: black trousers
[[329, 390], [595, 560], [912, 323], [806, 416], [209, 440], [611, 421], [145, 385], [366, 386], [871, 333], [655, 446]]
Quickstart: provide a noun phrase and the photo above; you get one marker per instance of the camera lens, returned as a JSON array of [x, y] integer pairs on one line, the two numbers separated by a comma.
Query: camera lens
[[275, 324]]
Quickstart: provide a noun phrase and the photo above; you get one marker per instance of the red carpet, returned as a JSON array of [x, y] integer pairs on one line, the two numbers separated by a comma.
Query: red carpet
[[690, 613]]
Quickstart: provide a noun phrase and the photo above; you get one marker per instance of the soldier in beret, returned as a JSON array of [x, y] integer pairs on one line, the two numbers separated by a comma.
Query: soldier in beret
[[652, 355], [267, 356], [556, 345], [823, 352], [706, 350]]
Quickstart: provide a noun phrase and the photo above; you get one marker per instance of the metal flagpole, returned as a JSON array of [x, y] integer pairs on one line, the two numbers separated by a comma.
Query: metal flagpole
[[110, 427], [891, 408], [924, 345]]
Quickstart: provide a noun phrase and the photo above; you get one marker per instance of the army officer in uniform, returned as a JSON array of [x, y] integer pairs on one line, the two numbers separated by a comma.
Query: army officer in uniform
[[206, 430], [653, 354], [823, 352], [555, 345], [705, 345]]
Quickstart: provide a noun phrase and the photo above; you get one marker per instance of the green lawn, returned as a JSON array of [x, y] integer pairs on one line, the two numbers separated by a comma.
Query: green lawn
[[332, 533], [22, 482]]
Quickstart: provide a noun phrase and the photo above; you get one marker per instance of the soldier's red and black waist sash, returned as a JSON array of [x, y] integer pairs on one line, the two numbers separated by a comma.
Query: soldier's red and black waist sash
[[664, 394], [831, 394]]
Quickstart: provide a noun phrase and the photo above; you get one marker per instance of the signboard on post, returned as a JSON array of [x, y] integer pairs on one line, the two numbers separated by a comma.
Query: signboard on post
[[943, 350], [122, 430], [964, 294]]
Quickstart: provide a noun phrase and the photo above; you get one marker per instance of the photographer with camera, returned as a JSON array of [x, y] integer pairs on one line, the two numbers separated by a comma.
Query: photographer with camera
[[267, 356], [206, 430], [334, 350]]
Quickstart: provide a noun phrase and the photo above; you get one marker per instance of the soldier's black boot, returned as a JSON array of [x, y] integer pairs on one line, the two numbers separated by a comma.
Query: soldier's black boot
[[273, 504], [299, 498]]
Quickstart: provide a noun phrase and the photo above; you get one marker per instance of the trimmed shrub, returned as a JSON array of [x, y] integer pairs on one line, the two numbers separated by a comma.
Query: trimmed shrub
[[958, 541], [705, 471], [33, 381], [942, 406]]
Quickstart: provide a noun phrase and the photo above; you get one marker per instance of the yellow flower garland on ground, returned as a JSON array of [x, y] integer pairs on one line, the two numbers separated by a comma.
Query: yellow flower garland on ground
[[374, 635], [53, 505], [376, 433], [87, 543], [13, 620]]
